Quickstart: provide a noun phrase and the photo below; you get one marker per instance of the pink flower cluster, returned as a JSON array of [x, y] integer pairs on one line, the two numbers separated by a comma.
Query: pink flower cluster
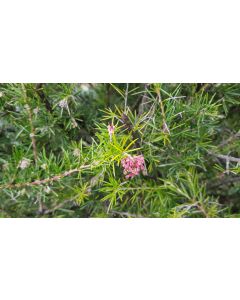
[[133, 165]]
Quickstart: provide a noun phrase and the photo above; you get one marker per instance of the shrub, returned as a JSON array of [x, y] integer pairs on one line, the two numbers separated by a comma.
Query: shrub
[[119, 150]]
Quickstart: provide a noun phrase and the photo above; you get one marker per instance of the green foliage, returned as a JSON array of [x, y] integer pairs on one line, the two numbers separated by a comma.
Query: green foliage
[[58, 158]]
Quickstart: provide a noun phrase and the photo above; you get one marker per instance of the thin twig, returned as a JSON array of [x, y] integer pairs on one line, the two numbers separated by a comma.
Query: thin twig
[[43, 98], [40, 203], [143, 101], [59, 206], [230, 139], [165, 126], [225, 157], [32, 135], [30, 117], [126, 98], [201, 208]]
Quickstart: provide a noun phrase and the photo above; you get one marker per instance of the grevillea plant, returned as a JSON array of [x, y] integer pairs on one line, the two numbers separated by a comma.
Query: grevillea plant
[[119, 150]]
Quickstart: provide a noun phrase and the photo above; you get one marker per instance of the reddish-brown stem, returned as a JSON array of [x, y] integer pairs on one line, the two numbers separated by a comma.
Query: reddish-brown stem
[[47, 180]]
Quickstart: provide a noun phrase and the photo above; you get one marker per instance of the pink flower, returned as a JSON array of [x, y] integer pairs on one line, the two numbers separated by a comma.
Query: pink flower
[[111, 129], [133, 165]]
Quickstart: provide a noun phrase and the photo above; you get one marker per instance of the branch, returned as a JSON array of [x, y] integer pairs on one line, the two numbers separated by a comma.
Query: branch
[[41, 95], [125, 99], [230, 139], [202, 210], [225, 157], [32, 135], [48, 180], [165, 126], [59, 206], [143, 101]]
